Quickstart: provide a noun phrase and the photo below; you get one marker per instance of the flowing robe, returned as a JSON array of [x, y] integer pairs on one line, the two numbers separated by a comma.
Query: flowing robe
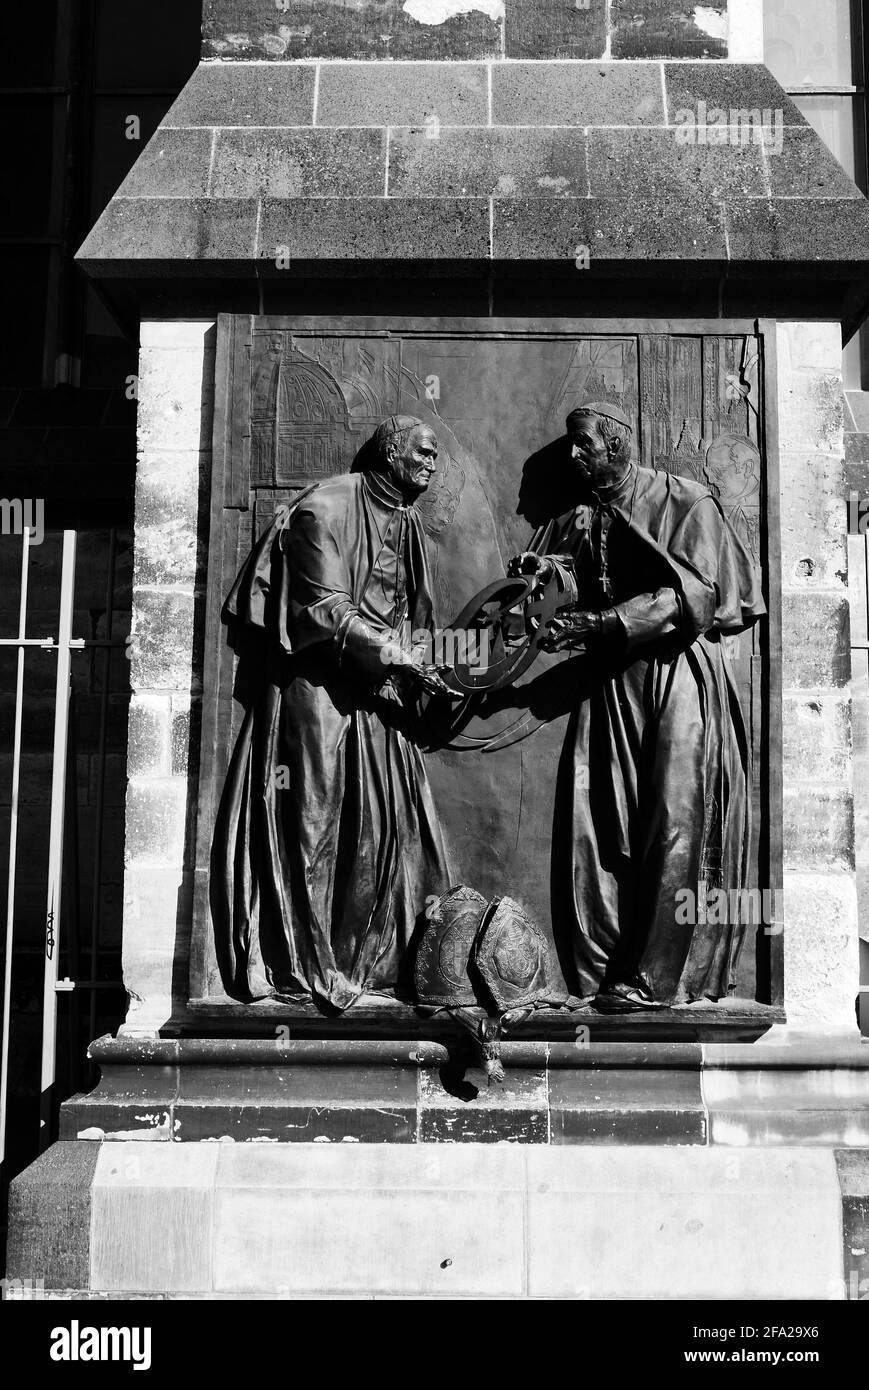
[[654, 789], [326, 842]]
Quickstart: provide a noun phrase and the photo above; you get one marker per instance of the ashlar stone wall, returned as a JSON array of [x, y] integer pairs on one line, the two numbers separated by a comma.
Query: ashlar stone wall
[[176, 390], [821, 942], [460, 29]]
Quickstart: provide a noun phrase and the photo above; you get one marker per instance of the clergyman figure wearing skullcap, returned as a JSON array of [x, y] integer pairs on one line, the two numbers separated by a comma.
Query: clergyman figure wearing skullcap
[[653, 797]]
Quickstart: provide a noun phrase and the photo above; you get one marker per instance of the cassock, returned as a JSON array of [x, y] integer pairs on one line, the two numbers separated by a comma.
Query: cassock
[[654, 789], [326, 842]]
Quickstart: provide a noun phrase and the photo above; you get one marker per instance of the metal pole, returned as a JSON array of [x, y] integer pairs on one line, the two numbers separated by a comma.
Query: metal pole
[[96, 902], [13, 845], [55, 838]]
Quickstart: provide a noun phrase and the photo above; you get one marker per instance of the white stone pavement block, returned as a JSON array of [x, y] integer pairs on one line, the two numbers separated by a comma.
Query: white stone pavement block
[[162, 643], [148, 746], [409, 1219], [488, 1220], [172, 477], [683, 1224], [745, 31], [809, 389], [411, 1241], [473, 1168], [152, 1221], [176, 395], [821, 949], [812, 347], [177, 333], [813, 501], [156, 821]]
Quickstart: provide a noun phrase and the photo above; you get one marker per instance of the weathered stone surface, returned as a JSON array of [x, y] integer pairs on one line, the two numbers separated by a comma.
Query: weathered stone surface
[[260, 29], [681, 1223], [726, 86], [174, 164], [558, 29], [402, 94], [655, 165], [853, 1170], [411, 1219], [241, 94], [298, 1104], [168, 482], [811, 415], [49, 1217], [148, 740], [162, 640], [815, 641], [154, 978], [175, 333], [661, 29], [376, 228], [180, 735], [804, 168], [138, 1121], [157, 904], [299, 164], [156, 811], [566, 94], [317, 1122], [816, 738], [818, 827], [810, 347], [152, 1223], [166, 553], [172, 229], [787, 1107], [500, 163], [611, 229], [814, 549], [466, 1110], [627, 1107], [821, 949], [831, 229]]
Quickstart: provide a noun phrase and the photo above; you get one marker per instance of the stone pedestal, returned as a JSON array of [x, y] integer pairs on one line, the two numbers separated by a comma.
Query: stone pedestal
[[299, 174], [349, 1220], [327, 1168]]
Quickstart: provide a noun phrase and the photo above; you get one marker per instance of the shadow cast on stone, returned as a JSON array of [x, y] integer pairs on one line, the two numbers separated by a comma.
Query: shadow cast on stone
[[548, 488]]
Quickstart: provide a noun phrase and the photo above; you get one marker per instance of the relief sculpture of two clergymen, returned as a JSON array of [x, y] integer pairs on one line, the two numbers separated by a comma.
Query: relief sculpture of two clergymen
[[586, 680]]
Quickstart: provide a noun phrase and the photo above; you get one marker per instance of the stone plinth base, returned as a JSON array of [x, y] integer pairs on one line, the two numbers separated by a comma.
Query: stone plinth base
[[512, 1221], [416, 1091], [268, 1168]]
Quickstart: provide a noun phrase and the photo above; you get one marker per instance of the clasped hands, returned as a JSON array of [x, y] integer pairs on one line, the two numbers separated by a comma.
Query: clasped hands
[[421, 677], [576, 626]]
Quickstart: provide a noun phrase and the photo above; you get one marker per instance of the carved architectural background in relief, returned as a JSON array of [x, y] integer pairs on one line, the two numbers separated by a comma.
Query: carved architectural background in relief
[[306, 403]]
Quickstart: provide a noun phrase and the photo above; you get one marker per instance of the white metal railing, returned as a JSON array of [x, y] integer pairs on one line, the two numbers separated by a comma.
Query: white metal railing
[[64, 645]]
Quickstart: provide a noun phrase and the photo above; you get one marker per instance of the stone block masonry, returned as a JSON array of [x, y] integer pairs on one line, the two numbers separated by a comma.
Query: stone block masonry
[[509, 1221], [821, 941], [176, 384], [347, 165], [462, 29]]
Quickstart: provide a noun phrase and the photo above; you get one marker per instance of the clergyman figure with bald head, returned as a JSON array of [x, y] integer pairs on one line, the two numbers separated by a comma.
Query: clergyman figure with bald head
[[653, 795], [327, 843]]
